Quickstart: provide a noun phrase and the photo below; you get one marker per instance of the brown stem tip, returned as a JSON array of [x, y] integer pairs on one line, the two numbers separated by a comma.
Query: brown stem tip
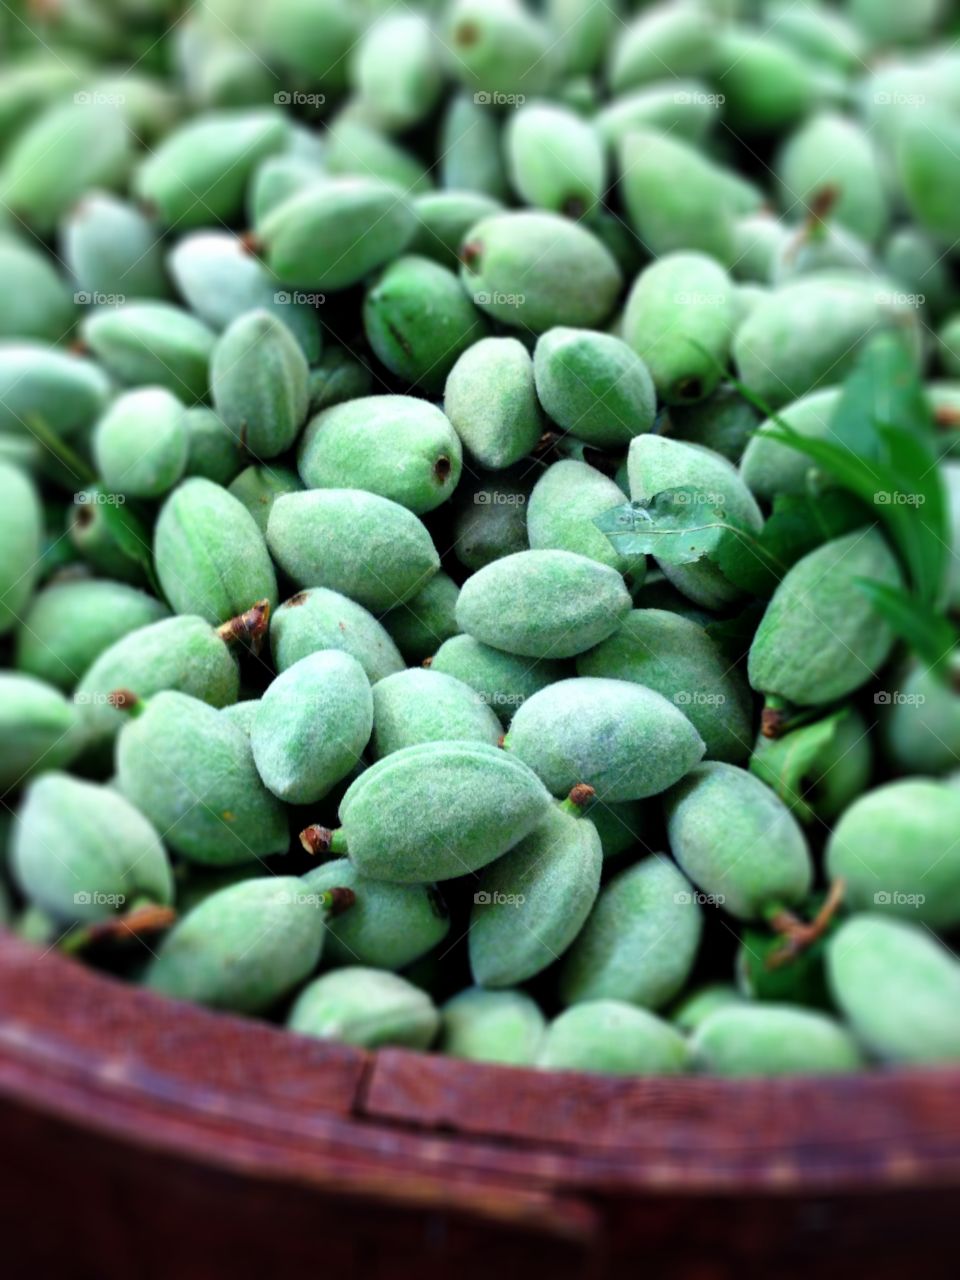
[[123, 700], [253, 624], [772, 722], [798, 934], [250, 242], [341, 900], [141, 922], [316, 839], [581, 794]]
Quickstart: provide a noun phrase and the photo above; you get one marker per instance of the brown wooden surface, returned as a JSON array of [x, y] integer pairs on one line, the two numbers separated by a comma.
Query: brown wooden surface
[[126, 1118]]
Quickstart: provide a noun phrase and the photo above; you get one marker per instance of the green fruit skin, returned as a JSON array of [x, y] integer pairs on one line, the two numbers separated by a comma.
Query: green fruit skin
[[418, 320], [365, 1007], [69, 624], [767, 86], [39, 729], [388, 558], [556, 160], [492, 1026], [498, 47], [896, 851], [640, 942], [543, 604], [614, 1038], [437, 811], [948, 343], [536, 270], [773, 1040], [503, 680], [337, 378], [210, 556], [389, 926], [898, 988], [66, 151], [820, 637], [702, 1002], [93, 537], [210, 805], [259, 383], [416, 706], [619, 826], [490, 398], [243, 947], [471, 157], [676, 199], [320, 619], [673, 37], [398, 447], [182, 653], [682, 108], [680, 318], [152, 343], [396, 70], [920, 729], [832, 151], [312, 726], [21, 536], [36, 302], [81, 852], [656, 463], [929, 173], [594, 385], [490, 517], [310, 38], [625, 741], [111, 248], [676, 658], [420, 626], [444, 218], [198, 174], [355, 149], [561, 511], [333, 234], [213, 451], [530, 904], [768, 467], [141, 443], [220, 282], [808, 332], [737, 841], [67, 393], [257, 488]]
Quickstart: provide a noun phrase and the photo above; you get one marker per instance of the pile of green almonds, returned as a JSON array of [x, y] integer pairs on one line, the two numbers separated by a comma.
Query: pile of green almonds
[[337, 339]]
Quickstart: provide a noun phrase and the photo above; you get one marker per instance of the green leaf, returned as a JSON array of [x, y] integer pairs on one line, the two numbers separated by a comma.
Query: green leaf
[[884, 386], [679, 526], [799, 522], [130, 535], [926, 631], [784, 763]]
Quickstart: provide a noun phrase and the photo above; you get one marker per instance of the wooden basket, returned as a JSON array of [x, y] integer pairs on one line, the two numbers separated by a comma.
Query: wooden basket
[[143, 1137]]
